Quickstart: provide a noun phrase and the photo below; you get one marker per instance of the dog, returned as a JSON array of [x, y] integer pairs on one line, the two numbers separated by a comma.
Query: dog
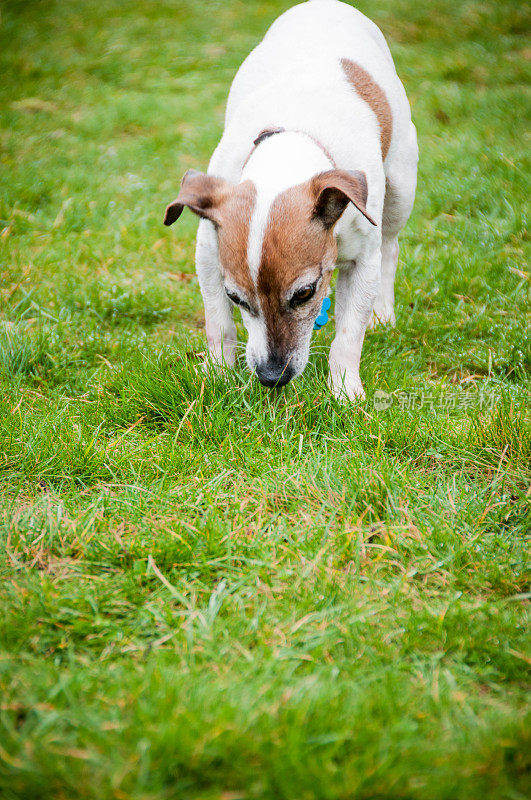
[[316, 170]]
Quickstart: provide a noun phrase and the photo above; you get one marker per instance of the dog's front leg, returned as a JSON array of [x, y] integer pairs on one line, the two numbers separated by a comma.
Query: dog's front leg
[[357, 286], [220, 327]]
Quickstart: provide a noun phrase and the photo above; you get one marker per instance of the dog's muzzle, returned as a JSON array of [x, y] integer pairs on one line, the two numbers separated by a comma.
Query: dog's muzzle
[[274, 373]]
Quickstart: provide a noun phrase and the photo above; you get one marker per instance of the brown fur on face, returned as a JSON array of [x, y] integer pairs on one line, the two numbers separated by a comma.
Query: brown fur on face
[[371, 93], [230, 208], [299, 238], [295, 241], [233, 235]]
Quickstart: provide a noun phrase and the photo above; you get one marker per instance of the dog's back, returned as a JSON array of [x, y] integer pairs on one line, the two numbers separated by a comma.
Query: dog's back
[[313, 70], [304, 44]]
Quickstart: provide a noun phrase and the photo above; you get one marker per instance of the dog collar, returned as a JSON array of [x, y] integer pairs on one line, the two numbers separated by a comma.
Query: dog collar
[[322, 317]]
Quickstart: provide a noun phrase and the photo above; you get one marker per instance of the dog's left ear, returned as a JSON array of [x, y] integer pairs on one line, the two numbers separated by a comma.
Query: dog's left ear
[[202, 194], [334, 190]]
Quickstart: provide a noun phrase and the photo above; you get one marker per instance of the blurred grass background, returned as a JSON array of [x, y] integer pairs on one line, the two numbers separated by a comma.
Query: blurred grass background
[[212, 592]]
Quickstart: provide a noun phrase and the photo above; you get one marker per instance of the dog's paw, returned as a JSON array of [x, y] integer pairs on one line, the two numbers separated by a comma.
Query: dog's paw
[[210, 363], [346, 386], [382, 315], [220, 357], [214, 367]]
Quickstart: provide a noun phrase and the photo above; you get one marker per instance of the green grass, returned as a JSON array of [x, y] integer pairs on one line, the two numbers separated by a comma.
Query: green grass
[[211, 592]]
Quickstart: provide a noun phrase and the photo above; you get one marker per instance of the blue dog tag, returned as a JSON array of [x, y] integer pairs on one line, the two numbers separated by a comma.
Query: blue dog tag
[[322, 317]]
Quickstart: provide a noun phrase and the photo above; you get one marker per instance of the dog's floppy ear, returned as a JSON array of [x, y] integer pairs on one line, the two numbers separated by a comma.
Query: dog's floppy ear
[[334, 190], [202, 194]]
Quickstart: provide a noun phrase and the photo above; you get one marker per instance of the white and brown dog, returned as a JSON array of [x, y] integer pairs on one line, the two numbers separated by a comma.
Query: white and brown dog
[[316, 168]]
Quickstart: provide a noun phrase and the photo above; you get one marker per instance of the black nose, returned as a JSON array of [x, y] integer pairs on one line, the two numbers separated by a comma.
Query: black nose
[[271, 373]]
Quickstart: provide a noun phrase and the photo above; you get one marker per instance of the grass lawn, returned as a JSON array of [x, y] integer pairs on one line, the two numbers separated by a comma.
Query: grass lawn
[[212, 592]]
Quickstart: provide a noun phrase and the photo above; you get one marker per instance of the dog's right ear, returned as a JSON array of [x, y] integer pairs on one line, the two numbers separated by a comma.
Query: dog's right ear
[[202, 194]]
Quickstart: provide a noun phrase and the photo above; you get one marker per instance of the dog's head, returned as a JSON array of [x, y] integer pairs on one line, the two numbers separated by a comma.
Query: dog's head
[[276, 262]]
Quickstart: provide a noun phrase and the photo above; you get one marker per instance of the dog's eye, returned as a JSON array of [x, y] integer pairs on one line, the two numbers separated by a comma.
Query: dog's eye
[[238, 301], [303, 295]]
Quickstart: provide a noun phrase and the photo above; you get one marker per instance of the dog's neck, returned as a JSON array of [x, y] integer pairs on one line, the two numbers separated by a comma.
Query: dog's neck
[[278, 162]]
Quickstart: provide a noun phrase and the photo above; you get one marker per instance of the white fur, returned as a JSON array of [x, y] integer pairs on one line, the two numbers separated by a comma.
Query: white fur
[[277, 164], [256, 350], [294, 79]]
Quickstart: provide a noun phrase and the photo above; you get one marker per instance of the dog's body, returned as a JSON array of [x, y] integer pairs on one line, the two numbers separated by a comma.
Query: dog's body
[[316, 168]]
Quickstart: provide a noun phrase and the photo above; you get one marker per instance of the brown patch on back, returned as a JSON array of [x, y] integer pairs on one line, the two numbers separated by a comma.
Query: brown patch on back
[[369, 91], [233, 234]]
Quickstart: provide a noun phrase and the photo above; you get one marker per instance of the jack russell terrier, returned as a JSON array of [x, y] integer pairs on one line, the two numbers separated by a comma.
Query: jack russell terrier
[[316, 169]]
